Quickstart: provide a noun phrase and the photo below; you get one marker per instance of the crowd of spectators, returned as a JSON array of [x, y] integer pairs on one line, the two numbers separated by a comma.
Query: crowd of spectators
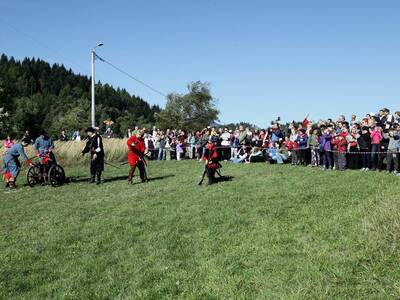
[[369, 143]]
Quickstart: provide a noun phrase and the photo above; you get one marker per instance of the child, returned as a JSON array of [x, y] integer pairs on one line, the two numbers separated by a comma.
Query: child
[[179, 150], [376, 138], [302, 141], [314, 144], [326, 148], [340, 143], [292, 148]]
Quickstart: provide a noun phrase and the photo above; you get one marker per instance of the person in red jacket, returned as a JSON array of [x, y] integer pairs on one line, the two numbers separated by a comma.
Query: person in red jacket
[[212, 161], [136, 149], [340, 145]]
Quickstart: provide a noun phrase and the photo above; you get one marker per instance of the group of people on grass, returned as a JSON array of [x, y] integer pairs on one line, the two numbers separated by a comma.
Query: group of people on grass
[[369, 143]]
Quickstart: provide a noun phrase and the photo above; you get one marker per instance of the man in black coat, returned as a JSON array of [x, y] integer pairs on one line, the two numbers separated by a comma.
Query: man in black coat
[[94, 145]]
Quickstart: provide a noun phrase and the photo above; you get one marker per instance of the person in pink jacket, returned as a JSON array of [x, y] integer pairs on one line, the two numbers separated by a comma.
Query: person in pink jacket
[[376, 138]]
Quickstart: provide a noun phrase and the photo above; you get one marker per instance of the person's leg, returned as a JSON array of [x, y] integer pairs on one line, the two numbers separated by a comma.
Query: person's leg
[[92, 171], [278, 158], [159, 154], [131, 173], [374, 157], [330, 160], [142, 171], [211, 176], [389, 161], [342, 161], [99, 176]]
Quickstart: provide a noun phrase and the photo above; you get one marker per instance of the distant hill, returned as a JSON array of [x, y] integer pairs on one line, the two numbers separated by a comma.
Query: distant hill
[[35, 95]]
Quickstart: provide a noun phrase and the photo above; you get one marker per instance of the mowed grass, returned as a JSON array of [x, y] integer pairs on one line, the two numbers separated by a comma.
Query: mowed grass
[[273, 232]]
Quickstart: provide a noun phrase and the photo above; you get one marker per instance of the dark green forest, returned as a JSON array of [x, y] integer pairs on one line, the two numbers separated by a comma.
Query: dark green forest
[[36, 95]]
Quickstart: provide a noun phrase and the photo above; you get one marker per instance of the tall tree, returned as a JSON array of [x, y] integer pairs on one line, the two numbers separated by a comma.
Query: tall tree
[[191, 111]]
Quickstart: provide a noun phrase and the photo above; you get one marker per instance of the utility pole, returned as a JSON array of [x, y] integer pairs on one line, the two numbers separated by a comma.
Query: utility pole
[[93, 59]]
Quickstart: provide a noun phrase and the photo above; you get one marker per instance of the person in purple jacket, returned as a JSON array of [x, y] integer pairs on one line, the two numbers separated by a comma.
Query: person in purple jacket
[[326, 148], [302, 142]]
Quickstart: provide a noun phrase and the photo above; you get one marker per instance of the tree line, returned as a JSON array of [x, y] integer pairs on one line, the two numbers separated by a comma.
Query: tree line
[[35, 95]]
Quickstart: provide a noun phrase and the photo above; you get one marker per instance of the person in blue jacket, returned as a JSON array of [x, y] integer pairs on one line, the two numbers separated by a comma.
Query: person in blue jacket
[[11, 164], [302, 141], [44, 146]]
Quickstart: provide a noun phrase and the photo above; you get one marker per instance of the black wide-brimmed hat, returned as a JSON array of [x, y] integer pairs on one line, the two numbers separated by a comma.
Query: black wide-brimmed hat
[[91, 129]]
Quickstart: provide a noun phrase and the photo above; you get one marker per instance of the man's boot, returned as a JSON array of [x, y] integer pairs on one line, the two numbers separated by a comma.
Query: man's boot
[[92, 179], [98, 178]]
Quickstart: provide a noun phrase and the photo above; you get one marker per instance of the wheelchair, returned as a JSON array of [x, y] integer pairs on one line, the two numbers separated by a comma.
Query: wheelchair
[[46, 172]]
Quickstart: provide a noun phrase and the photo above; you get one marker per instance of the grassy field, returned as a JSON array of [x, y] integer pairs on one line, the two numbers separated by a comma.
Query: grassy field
[[272, 232]]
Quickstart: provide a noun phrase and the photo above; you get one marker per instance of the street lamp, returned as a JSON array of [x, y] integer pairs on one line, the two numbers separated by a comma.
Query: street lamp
[[93, 83]]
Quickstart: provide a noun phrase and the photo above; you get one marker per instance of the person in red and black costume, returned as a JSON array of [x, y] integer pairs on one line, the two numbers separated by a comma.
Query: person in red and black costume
[[136, 147], [211, 158]]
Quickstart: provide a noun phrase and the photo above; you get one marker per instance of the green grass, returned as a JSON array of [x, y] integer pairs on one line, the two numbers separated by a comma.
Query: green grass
[[273, 232]]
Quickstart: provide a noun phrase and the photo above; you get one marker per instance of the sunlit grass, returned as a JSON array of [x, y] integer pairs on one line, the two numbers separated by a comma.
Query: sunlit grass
[[272, 232]]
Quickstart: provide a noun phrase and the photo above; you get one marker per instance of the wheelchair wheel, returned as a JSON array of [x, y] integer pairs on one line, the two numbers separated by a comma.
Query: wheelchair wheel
[[56, 175], [33, 176]]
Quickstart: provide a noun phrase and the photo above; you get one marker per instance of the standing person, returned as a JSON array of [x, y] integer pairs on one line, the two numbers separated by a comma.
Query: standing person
[[376, 138], [179, 150], [192, 144], [136, 148], [161, 147], [94, 145], [11, 164], [242, 136], [353, 157], [364, 145], [340, 143], [234, 143], [326, 148], [225, 143], [392, 152], [76, 136], [314, 145], [302, 141], [8, 142]]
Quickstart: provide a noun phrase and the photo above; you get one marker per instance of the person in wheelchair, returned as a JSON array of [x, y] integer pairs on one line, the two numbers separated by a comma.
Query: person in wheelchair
[[44, 147]]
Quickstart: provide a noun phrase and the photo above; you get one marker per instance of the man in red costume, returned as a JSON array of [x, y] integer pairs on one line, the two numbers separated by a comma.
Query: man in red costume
[[136, 149], [212, 161]]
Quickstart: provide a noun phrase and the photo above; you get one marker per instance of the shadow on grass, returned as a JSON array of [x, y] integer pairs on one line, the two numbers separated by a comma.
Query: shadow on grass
[[112, 179], [150, 179], [219, 180]]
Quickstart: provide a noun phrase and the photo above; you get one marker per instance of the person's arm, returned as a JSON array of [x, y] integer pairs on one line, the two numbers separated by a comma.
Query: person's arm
[[36, 145], [21, 152], [86, 149], [99, 145], [51, 144]]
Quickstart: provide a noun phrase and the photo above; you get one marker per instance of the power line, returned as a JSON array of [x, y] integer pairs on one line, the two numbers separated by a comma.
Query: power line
[[132, 77], [40, 43]]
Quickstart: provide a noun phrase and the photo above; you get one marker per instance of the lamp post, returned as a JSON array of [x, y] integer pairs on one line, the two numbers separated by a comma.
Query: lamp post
[[93, 83]]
